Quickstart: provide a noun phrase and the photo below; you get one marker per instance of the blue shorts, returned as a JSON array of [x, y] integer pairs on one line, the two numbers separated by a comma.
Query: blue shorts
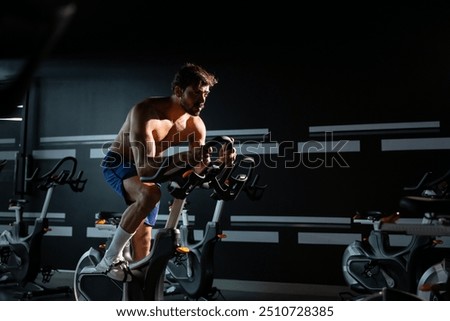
[[115, 171]]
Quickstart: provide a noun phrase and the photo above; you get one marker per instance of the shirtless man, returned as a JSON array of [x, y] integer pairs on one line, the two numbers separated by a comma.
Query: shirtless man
[[151, 127]]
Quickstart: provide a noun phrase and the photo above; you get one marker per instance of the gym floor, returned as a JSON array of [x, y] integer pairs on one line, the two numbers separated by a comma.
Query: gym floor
[[228, 290]]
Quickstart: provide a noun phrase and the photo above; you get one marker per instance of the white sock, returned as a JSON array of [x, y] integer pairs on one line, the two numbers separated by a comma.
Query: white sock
[[118, 243]]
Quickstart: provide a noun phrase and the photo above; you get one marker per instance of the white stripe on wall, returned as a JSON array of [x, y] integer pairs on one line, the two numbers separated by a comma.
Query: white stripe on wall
[[73, 139], [97, 153], [60, 231], [258, 148], [66, 231], [53, 153], [339, 146], [327, 238], [34, 215], [374, 127], [97, 233], [251, 236], [7, 140], [289, 219], [238, 132], [8, 155]]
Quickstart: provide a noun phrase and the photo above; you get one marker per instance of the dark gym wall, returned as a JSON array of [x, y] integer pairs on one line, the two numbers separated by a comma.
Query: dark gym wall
[[393, 72]]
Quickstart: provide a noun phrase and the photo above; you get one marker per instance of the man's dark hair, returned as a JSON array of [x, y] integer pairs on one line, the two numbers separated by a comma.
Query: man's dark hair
[[192, 75]]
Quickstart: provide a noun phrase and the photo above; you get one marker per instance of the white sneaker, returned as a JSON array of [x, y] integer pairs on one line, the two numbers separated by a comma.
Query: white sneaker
[[117, 270]]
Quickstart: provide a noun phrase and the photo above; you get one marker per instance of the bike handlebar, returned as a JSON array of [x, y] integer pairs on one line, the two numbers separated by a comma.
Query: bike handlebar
[[227, 181], [419, 185], [230, 182], [186, 183]]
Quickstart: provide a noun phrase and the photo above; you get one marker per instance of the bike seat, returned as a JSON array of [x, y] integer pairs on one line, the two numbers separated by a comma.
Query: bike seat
[[417, 205]]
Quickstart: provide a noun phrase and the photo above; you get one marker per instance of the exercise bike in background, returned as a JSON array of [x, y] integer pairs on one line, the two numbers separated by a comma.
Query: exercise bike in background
[[20, 250], [371, 265]]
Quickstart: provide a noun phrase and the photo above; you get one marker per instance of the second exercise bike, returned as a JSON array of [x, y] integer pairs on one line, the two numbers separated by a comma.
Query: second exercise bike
[[372, 264], [20, 250]]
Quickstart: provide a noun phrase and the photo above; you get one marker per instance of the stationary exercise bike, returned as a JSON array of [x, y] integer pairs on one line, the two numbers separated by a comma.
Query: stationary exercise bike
[[371, 265], [20, 251], [193, 273], [147, 274]]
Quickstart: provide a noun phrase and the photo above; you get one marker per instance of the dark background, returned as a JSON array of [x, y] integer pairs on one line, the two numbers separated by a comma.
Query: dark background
[[283, 67]]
